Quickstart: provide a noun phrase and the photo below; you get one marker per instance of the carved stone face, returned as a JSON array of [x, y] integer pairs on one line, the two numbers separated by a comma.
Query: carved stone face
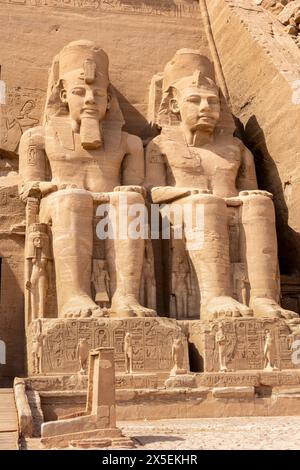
[[199, 108], [89, 100], [37, 242]]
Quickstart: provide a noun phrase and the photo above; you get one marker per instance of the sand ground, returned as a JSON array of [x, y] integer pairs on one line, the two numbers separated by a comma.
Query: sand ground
[[259, 433]]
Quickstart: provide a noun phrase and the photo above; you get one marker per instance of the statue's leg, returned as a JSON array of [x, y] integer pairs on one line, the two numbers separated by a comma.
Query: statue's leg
[[152, 295], [128, 261], [34, 363], [34, 297], [185, 304], [143, 291], [43, 288], [71, 215], [210, 257], [258, 221]]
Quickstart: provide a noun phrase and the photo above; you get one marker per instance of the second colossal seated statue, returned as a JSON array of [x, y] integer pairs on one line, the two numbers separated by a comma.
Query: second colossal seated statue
[[196, 161]]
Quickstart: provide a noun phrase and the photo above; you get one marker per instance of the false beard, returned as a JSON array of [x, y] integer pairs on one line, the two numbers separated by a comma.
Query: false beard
[[90, 133]]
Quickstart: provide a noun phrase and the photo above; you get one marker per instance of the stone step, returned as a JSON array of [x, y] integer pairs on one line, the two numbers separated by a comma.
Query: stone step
[[8, 420]]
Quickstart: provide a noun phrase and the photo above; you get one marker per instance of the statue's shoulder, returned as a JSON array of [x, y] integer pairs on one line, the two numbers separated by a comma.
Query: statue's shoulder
[[131, 141], [166, 138], [155, 142], [155, 150], [245, 152], [240, 144]]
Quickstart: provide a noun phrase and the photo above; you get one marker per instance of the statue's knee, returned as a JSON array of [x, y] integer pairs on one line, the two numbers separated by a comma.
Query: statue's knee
[[67, 199], [207, 200], [259, 204], [128, 197]]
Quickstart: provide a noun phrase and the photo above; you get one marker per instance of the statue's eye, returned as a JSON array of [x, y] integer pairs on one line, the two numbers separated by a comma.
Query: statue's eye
[[193, 99], [99, 93], [78, 91]]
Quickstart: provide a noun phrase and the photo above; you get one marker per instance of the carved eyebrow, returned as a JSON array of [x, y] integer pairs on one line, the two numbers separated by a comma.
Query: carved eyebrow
[[193, 98]]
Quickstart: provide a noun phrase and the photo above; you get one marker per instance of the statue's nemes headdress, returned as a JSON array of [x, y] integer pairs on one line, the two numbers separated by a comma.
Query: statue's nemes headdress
[[189, 68], [90, 64]]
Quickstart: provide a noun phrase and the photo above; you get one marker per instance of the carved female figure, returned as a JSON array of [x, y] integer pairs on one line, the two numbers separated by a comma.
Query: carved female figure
[[38, 256]]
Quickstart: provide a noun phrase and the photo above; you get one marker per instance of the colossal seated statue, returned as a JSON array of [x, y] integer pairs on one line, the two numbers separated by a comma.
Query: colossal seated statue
[[196, 161], [78, 158]]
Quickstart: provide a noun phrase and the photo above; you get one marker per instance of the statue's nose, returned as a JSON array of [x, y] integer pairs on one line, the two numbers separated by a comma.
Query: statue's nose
[[204, 106], [89, 97]]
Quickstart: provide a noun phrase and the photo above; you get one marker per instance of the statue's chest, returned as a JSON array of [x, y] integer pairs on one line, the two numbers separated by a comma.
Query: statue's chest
[[206, 161], [106, 156], [60, 147]]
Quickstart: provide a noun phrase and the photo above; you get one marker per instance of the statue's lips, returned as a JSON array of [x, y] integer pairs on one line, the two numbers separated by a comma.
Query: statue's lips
[[205, 117], [90, 112]]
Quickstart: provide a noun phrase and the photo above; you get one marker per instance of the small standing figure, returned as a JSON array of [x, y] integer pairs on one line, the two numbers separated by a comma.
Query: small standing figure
[[148, 285], [38, 256], [177, 357], [222, 343], [37, 347], [181, 286], [128, 351], [269, 351], [83, 350], [101, 282]]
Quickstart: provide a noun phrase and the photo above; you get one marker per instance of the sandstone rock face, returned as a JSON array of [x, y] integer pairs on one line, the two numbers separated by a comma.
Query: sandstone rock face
[[260, 65], [139, 37]]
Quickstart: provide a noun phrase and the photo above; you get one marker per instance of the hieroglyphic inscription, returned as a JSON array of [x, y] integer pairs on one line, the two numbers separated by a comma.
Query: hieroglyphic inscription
[[151, 341], [21, 111], [179, 8], [245, 339]]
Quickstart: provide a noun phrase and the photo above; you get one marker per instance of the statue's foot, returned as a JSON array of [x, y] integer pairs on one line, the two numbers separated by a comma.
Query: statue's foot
[[81, 306], [127, 306], [220, 307], [264, 307]]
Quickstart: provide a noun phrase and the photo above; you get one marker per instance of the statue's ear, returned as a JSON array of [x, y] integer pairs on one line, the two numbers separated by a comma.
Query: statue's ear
[[63, 95], [174, 106]]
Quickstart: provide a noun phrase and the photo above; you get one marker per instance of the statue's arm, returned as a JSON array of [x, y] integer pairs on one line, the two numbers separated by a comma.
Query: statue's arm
[[32, 161], [33, 164], [28, 271], [107, 283], [155, 165], [247, 174], [189, 282], [133, 167]]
